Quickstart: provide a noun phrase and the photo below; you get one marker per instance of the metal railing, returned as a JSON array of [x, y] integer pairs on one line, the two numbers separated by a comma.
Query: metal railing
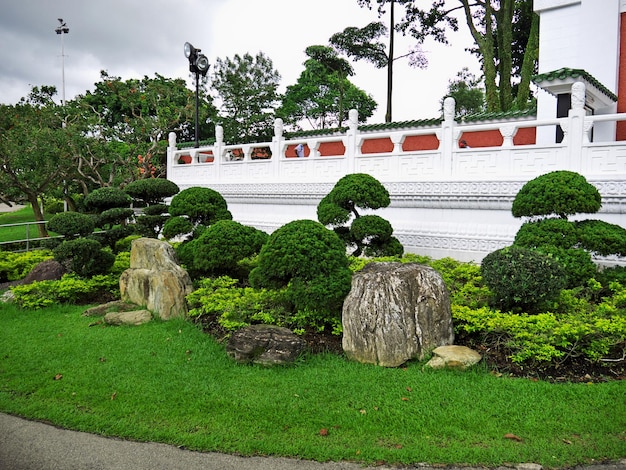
[[28, 241]]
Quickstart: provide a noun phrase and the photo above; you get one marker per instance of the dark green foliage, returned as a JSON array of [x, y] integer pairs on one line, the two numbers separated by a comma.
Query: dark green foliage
[[577, 264], [151, 190], [84, 257], [156, 209], [562, 193], [150, 225], [602, 237], [556, 232], [221, 247], [112, 236], [176, 226], [521, 278], [612, 274], [370, 233], [311, 261], [114, 216], [71, 224], [185, 252], [201, 205], [102, 199]]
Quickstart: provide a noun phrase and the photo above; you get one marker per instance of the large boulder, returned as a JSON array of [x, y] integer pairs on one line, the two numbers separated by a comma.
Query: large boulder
[[49, 270], [268, 345], [155, 279], [395, 312]]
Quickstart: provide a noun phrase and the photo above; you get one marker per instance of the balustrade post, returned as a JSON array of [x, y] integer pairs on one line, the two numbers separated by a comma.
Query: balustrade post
[[277, 147], [446, 136], [171, 148], [351, 137], [574, 136]]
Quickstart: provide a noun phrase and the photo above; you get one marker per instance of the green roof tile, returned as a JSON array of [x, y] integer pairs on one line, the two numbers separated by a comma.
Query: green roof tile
[[562, 74]]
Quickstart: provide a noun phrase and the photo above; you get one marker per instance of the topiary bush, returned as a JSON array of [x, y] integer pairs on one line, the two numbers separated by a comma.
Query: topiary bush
[[84, 256], [562, 193], [369, 234], [200, 205], [102, 199], [177, 226], [221, 248], [522, 278], [601, 237], [71, 224], [560, 233], [311, 262], [151, 190]]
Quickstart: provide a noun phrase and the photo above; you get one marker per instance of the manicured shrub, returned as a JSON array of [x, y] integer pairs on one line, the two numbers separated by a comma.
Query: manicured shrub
[[369, 234], [201, 205], [562, 193], [151, 190], [156, 209], [222, 246], [601, 237], [114, 216], [560, 233], [84, 256], [310, 261], [102, 199], [578, 267], [71, 224], [177, 226], [522, 279]]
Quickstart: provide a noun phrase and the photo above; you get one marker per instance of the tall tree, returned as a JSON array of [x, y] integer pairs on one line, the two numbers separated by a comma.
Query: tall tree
[[247, 88], [34, 151], [323, 94], [467, 92], [365, 44]]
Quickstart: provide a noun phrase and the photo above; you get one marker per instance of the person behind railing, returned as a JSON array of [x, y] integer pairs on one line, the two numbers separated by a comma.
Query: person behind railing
[[463, 145], [300, 150]]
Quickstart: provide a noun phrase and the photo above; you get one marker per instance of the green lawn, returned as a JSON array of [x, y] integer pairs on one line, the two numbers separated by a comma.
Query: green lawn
[[169, 382]]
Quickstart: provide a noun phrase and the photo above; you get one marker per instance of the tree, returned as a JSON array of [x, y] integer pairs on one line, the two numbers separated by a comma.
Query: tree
[[247, 88], [468, 95], [363, 44], [506, 34], [34, 150], [370, 234], [323, 95], [123, 127]]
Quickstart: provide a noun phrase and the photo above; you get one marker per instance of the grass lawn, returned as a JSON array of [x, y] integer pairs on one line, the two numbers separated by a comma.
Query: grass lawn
[[169, 382]]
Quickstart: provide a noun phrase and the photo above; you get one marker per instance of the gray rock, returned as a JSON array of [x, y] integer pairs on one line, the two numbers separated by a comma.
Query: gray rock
[[49, 270], [267, 345], [454, 357], [395, 312], [114, 306], [134, 317]]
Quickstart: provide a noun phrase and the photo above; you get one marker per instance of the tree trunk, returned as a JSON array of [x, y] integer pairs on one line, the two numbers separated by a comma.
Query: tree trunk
[[390, 63], [531, 54], [504, 31], [34, 202]]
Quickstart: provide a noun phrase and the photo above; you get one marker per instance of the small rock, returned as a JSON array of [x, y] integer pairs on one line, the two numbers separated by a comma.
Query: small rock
[[134, 317], [453, 357], [114, 306]]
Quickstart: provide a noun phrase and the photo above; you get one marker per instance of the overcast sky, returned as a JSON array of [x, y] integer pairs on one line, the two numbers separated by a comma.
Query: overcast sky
[[137, 38]]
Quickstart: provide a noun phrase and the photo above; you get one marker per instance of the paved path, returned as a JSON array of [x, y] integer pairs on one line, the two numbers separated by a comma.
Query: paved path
[[31, 445]]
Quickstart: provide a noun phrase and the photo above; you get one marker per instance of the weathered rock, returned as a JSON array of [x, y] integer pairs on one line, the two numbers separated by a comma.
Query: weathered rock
[[395, 312], [114, 306], [155, 279], [267, 345], [134, 317], [49, 270], [453, 357]]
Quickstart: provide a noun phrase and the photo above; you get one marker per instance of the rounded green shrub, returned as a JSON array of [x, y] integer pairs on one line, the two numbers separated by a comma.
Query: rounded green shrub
[[71, 224], [201, 205], [576, 263], [562, 193], [556, 232], [602, 237], [151, 190], [176, 226], [311, 261], [102, 199], [156, 209], [84, 257], [522, 279], [114, 216], [221, 247]]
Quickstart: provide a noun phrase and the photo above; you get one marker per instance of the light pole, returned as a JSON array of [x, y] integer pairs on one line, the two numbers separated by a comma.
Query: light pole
[[199, 65], [62, 29]]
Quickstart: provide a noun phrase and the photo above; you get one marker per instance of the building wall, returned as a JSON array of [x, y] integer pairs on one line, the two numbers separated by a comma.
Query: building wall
[[578, 34]]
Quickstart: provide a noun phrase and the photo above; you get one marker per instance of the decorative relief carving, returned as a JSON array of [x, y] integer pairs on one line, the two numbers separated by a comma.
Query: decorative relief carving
[[578, 95]]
